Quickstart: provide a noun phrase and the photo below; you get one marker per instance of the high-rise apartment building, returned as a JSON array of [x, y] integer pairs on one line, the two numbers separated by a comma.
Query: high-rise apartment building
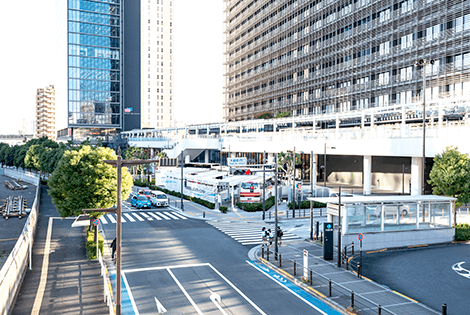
[[157, 75], [45, 113], [327, 56]]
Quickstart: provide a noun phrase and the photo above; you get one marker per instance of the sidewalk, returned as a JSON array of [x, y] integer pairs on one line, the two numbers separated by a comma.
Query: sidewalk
[[62, 280], [336, 285]]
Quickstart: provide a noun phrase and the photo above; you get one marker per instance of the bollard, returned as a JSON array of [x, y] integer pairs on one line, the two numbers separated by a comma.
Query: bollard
[[203, 214], [358, 272], [280, 261], [380, 310], [352, 249], [295, 268], [311, 277], [347, 264], [352, 299], [267, 255], [444, 309], [329, 287], [262, 251]]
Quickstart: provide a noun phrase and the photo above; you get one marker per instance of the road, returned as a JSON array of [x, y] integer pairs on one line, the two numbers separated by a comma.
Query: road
[[432, 275], [185, 265]]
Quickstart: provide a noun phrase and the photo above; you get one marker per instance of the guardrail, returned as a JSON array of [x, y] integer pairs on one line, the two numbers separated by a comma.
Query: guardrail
[[14, 268], [107, 287]]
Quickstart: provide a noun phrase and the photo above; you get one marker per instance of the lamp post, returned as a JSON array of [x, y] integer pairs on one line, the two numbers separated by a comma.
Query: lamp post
[[118, 163], [422, 64], [275, 208], [324, 163], [293, 183], [264, 184], [311, 194], [182, 179]]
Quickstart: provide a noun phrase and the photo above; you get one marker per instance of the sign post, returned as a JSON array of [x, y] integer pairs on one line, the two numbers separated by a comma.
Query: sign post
[[360, 237], [328, 241]]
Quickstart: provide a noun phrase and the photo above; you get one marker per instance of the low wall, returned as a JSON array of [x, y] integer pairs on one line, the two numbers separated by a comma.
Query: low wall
[[14, 268], [394, 239]]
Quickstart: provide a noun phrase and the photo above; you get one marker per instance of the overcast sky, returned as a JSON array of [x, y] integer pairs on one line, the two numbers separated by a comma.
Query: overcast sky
[[30, 59]]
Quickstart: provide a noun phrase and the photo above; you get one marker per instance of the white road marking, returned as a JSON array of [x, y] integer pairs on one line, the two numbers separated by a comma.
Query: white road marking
[[103, 220], [160, 307], [123, 220], [111, 218], [129, 217], [460, 270], [171, 216], [184, 291], [180, 216], [131, 296], [163, 216], [146, 216], [137, 216], [153, 215]]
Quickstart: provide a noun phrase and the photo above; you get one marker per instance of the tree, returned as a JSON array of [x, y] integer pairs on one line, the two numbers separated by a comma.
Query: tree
[[450, 175], [82, 180], [286, 163], [283, 114], [265, 116]]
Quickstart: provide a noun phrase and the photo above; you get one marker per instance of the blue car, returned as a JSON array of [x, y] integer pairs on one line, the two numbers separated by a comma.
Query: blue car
[[141, 201]]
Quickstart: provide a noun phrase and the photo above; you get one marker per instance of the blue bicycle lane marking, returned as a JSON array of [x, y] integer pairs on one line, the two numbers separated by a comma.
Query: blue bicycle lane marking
[[306, 297], [126, 305]]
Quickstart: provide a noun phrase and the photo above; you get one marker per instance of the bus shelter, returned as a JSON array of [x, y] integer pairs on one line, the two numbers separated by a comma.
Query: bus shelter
[[392, 221]]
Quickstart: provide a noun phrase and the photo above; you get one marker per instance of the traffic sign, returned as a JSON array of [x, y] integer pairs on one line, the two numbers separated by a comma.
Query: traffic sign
[[360, 237], [247, 172], [96, 222]]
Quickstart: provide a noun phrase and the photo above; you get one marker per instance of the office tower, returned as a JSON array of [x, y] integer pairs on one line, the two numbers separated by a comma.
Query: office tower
[[45, 113], [324, 56], [157, 63]]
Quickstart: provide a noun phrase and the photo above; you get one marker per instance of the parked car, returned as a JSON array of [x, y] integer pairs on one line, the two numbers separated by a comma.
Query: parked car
[[159, 199], [141, 201]]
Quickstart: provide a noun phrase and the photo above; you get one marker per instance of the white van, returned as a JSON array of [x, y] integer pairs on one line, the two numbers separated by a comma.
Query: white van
[[158, 199]]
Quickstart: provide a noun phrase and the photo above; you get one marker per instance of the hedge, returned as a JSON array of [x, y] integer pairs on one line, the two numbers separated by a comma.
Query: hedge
[[252, 207], [91, 245], [462, 232], [305, 204]]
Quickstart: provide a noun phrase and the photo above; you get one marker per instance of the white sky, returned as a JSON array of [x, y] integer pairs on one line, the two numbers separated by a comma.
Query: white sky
[[29, 60]]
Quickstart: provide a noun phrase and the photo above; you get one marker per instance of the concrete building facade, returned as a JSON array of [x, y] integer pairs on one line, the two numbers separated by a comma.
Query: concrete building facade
[[45, 112], [157, 76], [314, 57]]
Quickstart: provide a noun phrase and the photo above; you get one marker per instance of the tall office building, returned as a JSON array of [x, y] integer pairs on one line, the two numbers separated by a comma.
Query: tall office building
[[327, 56], [157, 75], [45, 113]]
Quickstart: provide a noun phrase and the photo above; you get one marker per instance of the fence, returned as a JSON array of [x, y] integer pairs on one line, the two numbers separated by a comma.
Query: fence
[[323, 286], [14, 268], [107, 287]]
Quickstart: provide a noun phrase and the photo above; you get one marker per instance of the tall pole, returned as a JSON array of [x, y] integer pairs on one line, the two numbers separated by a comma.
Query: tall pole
[[403, 179], [182, 179], [424, 130], [339, 228], [264, 184], [324, 166], [118, 236], [293, 182], [311, 194], [275, 209]]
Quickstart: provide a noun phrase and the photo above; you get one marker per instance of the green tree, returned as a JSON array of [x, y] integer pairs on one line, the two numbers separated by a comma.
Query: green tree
[[283, 114], [83, 181], [20, 154], [32, 158], [286, 163], [450, 175], [264, 116]]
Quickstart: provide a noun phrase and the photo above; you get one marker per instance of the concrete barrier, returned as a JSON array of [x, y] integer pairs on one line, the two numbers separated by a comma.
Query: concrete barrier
[[14, 268]]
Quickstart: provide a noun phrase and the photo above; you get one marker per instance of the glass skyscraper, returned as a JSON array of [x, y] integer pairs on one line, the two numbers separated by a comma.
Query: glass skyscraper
[[94, 66]]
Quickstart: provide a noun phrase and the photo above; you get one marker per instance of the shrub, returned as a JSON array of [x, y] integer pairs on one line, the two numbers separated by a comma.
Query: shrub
[[305, 204], [462, 232], [91, 245], [253, 207], [223, 209], [44, 181]]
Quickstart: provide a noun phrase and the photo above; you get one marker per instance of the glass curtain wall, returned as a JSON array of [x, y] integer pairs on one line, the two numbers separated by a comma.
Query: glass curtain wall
[[94, 63]]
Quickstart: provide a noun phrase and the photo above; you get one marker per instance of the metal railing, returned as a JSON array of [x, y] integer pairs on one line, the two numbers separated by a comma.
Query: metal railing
[[108, 295]]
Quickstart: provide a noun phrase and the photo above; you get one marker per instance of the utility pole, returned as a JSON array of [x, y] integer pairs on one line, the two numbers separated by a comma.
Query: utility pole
[[293, 183], [339, 227], [182, 179], [264, 184], [275, 209]]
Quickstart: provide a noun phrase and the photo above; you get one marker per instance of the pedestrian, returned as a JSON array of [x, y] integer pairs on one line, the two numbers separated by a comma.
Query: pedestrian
[[264, 236], [279, 236], [271, 237], [113, 246]]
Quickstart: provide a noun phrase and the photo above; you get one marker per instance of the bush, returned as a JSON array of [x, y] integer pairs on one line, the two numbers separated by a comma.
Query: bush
[[223, 209], [305, 204], [91, 245], [44, 181], [462, 232], [253, 207]]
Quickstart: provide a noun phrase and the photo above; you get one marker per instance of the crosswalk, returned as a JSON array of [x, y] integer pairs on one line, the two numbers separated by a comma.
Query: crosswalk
[[247, 233], [131, 217]]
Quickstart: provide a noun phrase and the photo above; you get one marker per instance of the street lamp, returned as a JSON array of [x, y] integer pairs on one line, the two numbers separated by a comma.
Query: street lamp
[[182, 179], [324, 163], [421, 64], [264, 184]]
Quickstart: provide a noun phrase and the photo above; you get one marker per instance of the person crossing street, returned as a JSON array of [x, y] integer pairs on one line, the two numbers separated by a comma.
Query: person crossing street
[[280, 233]]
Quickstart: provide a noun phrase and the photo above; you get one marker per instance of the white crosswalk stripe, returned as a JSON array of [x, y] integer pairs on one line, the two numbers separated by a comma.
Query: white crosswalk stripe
[[248, 233], [135, 216]]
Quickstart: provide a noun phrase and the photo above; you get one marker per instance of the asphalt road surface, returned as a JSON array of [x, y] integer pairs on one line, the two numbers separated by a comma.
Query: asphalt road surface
[[433, 275], [186, 266]]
